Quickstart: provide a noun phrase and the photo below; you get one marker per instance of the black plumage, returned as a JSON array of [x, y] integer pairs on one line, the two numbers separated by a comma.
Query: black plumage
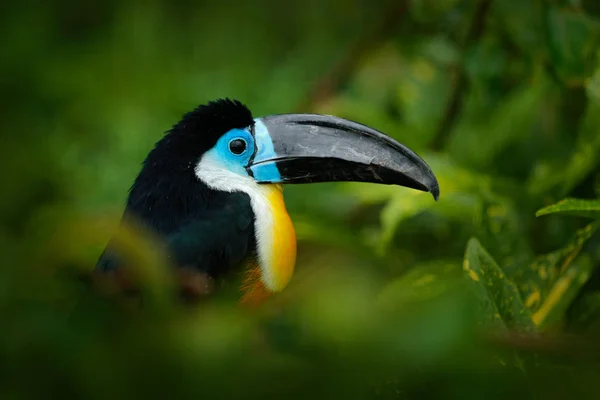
[[205, 229]]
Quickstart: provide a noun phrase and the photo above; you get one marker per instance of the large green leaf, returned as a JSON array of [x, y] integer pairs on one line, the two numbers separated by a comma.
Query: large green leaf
[[501, 227], [499, 299], [578, 207], [563, 292], [550, 282]]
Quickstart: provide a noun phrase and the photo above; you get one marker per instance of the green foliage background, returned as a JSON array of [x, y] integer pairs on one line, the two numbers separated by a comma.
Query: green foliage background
[[492, 292]]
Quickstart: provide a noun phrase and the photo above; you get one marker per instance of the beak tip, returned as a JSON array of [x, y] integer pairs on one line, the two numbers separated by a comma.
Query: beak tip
[[435, 191]]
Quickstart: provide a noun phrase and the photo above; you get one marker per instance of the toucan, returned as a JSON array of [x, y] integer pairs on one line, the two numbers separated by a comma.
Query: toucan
[[211, 188]]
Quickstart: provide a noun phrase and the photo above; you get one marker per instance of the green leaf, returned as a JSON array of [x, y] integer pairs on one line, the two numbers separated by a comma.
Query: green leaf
[[578, 207], [549, 283], [563, 292], [499, 299], [502, 228]]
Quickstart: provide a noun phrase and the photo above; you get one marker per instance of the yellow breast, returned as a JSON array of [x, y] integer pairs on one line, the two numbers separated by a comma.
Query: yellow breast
[[276, 245]]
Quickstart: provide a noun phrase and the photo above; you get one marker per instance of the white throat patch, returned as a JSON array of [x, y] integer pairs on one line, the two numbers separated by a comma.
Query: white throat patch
[[211, 171]]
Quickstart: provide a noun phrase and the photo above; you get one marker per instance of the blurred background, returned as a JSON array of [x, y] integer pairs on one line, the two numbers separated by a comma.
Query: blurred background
[[492, 292]]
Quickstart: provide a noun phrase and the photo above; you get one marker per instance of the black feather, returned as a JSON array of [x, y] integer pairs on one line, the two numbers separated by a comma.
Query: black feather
[[197, 132], [203, 228]]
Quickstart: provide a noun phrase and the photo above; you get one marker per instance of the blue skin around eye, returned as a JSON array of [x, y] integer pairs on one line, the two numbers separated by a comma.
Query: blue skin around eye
[[264, 173], [234, 162], [267, 172]]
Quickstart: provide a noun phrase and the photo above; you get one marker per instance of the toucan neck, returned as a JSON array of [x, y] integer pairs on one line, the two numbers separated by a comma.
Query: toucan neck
[[275, 239]]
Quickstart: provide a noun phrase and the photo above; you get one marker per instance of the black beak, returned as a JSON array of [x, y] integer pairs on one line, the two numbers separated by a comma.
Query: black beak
[[308, 148]]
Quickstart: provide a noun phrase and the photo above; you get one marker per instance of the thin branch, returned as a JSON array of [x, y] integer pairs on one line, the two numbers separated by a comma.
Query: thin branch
[[460, 83]]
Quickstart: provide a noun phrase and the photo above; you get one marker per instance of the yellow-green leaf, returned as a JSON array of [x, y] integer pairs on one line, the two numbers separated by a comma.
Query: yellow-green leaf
[[548, 283], [579, 207], [563, 292], [498, 297]]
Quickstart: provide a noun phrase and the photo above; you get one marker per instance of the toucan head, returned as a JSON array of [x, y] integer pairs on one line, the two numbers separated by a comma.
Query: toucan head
[[222, 147], [295, 148]]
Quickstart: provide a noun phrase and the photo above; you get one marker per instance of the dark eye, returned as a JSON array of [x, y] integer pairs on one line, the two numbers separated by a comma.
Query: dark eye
[[237, 146]]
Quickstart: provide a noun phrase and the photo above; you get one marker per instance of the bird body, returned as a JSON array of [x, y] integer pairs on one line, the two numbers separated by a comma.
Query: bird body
[[211, 188]]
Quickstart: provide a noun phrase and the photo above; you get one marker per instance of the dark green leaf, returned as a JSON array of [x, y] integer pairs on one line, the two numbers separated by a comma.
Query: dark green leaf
[[502, 229]]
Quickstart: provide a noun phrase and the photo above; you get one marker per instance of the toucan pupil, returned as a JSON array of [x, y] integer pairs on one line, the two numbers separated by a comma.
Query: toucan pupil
[[237, 146]]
